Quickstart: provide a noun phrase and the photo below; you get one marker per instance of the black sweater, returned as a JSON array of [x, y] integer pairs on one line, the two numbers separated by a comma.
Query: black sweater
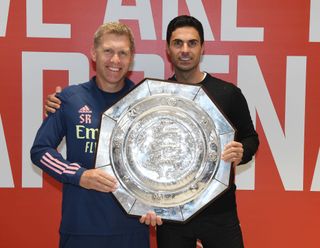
[[232, 103]]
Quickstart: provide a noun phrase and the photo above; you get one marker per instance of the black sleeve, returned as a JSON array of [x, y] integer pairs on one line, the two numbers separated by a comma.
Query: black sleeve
[[245, 131]]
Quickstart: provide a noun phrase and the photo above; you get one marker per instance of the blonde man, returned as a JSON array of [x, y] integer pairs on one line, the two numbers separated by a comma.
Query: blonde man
[[91, 217]]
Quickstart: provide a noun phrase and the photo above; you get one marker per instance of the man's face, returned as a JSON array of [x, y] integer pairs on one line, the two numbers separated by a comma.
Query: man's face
[[185, 49], [113, 58]]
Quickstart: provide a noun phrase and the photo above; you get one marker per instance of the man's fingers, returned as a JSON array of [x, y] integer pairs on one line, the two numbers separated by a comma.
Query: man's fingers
[[58, 89], [106, 176], [142, 219], [105, 181], [151, 218], [107, 184], [52, 105], [98, 180], [154, 219], [233, 152], [53, 101], [159, 220]]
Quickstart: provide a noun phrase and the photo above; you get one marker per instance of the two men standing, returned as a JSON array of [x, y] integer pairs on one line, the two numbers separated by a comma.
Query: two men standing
[[90, 215]]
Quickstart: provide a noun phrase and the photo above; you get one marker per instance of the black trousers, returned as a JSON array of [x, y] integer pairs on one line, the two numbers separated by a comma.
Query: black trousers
[[133, 240], [214, 231]]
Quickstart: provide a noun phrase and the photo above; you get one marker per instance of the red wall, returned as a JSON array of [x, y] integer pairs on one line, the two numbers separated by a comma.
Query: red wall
[[269, 48]]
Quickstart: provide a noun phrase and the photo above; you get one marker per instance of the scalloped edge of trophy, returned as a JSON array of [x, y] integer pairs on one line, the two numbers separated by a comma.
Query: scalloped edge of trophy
[[149, 87]]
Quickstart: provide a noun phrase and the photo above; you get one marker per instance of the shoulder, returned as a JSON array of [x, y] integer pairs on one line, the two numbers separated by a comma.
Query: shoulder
[[129, 83], [218, 85], [73, 90]]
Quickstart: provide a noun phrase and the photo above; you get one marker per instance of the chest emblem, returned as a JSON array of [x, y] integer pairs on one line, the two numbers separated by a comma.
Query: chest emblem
[[85, 115]]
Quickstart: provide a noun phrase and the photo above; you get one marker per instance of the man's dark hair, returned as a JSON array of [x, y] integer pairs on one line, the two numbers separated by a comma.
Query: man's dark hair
[[184, 21]]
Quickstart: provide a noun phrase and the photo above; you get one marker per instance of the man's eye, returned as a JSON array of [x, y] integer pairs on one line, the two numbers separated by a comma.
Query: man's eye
[[108, 51], [192, 43], [123, 54], [177, 43]]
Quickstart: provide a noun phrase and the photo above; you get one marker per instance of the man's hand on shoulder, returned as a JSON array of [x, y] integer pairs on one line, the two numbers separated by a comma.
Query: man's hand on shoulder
[[52, 102]]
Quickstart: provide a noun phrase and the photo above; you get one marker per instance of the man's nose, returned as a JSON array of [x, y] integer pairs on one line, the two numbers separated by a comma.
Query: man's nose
[[115, 58], [185, 47]]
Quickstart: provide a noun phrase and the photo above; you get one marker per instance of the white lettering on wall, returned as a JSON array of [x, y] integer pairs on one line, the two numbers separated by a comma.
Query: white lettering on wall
[[151, 64], [6, 179], [229, 29], [33, 65], [171, 11], [196, 9], [245, 175], [286, 146], [4, 13], [314, 27], [36, 27], [215, 63], [315, 186], [141, 12]]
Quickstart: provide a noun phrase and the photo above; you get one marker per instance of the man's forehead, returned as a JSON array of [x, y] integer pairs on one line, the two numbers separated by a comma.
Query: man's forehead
[[115, 36], [115, 40], [185, 33]]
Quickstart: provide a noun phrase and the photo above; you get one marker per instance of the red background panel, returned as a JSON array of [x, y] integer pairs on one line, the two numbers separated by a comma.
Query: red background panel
[[271, 216]]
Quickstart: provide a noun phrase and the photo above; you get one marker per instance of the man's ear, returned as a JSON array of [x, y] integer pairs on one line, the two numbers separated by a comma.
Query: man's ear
[[167, 50], [132, 58], [93, 54]]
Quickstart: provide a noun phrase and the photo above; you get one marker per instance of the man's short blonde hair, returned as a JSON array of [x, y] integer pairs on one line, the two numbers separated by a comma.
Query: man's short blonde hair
[[114, 28]]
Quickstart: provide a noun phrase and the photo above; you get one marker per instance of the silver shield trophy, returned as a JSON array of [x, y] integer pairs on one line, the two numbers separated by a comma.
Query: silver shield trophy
[[163, 143]]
